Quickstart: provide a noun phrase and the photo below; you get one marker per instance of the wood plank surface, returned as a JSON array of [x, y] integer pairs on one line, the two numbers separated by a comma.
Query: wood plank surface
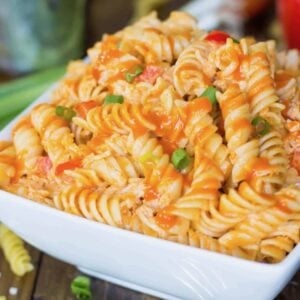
[[52, 278], [57, 276], [25, 285]]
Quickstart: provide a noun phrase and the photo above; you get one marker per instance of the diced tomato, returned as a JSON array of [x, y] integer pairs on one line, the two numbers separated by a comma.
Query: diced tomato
[[44, 164], [217, 36], [296, 160], [69, 165], [83, 108], [150, 74]]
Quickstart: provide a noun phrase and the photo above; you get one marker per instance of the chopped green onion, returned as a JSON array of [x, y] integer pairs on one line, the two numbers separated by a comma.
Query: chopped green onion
[[65, 112], [262, 126], [235, 40], [130, 75], [180, 159], [81, 288], [111, 99], [60, 110], [69, 114], [210, 93]]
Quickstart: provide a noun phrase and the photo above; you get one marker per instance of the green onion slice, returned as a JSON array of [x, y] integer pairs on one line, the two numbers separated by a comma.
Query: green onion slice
[[111, 99], [262, 126], [65, 112], [180, 159], [210, 93], [60, 110], [81, 288], [235, 40], [130, 75]]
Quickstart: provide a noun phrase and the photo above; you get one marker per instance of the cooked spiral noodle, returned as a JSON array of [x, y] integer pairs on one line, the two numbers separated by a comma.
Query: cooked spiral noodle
[[261, 91], [233, 207], [81, 135], [181, 22], [196, 239], [27, 145], [193, 71], [200, 130], [260, 225], [153, 45], [238, 131], [288, 59], [207, 180], [55, 134], [111, 205], [117, 118], [115, 170], [281, 242], [15, 252], [272, 148], [7, 162], [157, 169], [228, 60]]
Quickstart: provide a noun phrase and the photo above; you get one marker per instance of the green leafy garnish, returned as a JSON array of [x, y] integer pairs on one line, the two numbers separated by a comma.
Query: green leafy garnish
[[235, 40], [66, 113], [132, 74], [262, 126], [210, 93], [81, 288], [111, 99], [180, 159]]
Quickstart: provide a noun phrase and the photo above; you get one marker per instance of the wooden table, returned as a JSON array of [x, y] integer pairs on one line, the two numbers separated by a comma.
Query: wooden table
[[51, 280]]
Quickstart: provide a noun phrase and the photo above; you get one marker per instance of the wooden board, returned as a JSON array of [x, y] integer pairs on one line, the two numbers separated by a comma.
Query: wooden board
[[51, 280], [25, 285], [57, 276]]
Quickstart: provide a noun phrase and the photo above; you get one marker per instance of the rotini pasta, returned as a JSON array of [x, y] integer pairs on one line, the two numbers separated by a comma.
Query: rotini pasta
[[169, 131], [15, 252]]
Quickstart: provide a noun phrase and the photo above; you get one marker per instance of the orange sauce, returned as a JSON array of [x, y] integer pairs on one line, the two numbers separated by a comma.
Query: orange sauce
[[168, 146], [257, 167], [109, 54], [23, 123], [199, 104], [282, 77], [241, 124], [228, 106], [109, 42], [97, 141], [281, 205], [19, 165], [170, 127], [187, 179], [151, 193], [137, 128], [96, 74], [165, 220]]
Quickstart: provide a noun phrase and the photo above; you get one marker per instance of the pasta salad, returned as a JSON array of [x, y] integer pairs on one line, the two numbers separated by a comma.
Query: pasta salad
[[173, 132]]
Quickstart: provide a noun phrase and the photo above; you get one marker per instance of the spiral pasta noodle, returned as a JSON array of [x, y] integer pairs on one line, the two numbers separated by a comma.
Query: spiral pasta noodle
[[7, 163], [173, 132], [15, 252]]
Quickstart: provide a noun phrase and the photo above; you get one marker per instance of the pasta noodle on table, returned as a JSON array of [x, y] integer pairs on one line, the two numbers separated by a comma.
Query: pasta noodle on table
[[173, 132], [15, 252]]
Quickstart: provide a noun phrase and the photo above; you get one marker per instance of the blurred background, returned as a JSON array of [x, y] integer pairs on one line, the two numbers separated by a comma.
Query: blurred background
[[35, 35], [43, 35]]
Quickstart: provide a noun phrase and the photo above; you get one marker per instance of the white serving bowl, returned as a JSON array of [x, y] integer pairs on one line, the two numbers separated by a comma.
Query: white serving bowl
[[153, 266]]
